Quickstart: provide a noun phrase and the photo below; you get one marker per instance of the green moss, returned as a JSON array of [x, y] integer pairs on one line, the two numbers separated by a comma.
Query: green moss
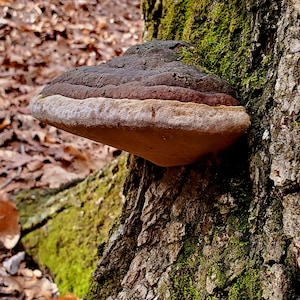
[[185, 288], [103, 289], [296, 125], [191, 57], [184, 271], [247, 286], [178, 10], [67, 239], [223, 262], [221, 32]]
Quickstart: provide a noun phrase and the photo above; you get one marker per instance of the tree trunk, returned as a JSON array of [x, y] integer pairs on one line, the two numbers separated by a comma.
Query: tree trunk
[[228, 226]]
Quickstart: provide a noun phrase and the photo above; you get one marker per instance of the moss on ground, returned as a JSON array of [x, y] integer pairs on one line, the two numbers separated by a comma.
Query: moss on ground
[[66, 239]]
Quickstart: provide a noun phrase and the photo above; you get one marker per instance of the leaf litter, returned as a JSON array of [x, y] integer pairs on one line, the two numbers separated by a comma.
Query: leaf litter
[[38, 41]]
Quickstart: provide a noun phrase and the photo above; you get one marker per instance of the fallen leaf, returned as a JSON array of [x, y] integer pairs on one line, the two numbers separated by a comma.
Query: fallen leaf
[[12, 264], [35, 164], [5, 136], [55, 176], [9, 222], [78, 154], [5, 123], [9, 286]]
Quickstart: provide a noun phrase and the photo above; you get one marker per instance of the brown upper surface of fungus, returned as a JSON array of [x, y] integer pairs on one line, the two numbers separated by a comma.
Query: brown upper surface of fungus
[[147, 103]]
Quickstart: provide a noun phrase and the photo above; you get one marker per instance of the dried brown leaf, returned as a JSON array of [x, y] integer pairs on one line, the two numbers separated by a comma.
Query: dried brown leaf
[[9, 223], [5, 136], [9, 286], [55, 176], [5, 123]]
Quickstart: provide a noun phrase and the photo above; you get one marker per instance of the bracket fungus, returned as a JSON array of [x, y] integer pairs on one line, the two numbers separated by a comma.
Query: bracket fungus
[[148, 103]]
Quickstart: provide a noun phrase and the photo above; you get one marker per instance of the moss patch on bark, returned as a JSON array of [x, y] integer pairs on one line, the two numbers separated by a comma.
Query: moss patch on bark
[[222, 32]]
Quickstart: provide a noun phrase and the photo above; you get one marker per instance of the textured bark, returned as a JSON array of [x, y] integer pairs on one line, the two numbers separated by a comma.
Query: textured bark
[[228, 226]]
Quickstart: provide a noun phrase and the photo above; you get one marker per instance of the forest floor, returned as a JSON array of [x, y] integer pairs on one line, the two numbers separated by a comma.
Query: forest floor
[[38, 41]]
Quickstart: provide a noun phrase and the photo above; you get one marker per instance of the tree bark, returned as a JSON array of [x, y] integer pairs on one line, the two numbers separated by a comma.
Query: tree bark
[[228, 226]]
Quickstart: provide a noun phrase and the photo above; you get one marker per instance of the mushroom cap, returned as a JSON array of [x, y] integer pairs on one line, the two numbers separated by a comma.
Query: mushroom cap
[[148, 71], [166, 132], [147, 103]]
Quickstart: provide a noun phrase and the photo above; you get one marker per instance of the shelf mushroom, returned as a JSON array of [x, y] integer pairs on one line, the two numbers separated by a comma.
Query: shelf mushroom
[[148, 103]]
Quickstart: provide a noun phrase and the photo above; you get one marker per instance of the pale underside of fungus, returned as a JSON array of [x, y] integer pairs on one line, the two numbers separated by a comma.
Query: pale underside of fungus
[[147, 103]]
